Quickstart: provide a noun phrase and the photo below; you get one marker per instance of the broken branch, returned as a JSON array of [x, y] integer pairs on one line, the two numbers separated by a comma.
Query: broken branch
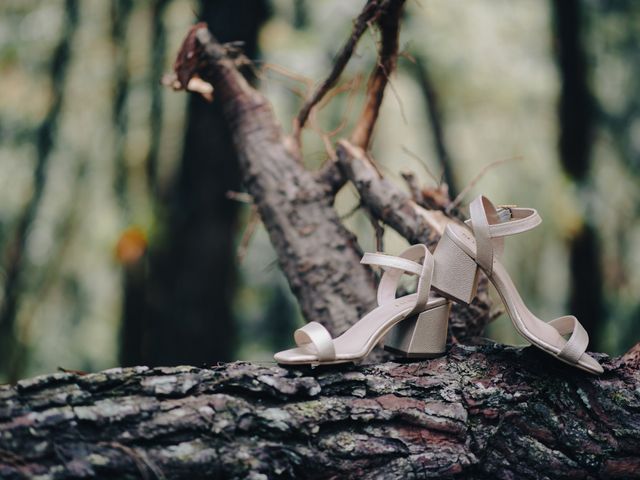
[[389, 25], [371, 10]]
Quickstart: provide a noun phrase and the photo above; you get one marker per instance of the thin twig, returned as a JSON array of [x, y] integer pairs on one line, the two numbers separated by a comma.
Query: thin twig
[[387, 56], [252, 223], [351, 87], [241, 197], [371, 11], [422, 163], [495, 314], [378, 230], [434, 113], [285, 72], [456, 202]]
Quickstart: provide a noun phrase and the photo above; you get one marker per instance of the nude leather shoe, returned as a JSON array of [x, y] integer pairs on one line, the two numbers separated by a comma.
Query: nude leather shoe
[[465, 250], [420, 319]]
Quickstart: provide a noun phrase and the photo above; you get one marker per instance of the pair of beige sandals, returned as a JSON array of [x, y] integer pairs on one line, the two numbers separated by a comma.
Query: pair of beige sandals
[[415, 325]]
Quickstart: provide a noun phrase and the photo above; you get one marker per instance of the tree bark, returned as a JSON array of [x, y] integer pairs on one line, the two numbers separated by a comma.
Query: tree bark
[[480, 412]]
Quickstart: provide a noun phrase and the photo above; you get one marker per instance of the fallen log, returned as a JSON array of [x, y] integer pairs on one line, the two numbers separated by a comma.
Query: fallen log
[[484, 412]]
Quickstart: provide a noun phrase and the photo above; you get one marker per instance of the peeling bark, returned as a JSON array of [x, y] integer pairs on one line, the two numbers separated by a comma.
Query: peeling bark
[[487, 412]]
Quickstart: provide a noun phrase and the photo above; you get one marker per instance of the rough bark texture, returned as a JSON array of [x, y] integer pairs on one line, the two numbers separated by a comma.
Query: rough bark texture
[[480, 412]]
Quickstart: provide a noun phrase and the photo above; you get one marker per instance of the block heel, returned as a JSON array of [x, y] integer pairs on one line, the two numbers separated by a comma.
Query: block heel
[[455, 274], [422, 336]]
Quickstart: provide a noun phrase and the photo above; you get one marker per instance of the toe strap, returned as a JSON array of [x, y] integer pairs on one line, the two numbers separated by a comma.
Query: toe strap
[[578, 341], [319, 337]]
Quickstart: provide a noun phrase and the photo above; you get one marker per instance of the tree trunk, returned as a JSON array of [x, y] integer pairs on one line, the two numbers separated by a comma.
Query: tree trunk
[[480, 412], [15, 254], [576, 121], [180, 310]]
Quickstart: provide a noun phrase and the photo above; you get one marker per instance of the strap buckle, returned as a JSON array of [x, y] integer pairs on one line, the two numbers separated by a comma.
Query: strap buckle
[[504, 212]]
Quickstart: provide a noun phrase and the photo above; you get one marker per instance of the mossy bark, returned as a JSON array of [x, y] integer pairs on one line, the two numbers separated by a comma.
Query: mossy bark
[[479, 412]]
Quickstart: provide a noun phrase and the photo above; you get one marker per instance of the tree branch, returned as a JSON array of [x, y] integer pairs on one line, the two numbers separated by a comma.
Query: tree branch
[[386, 201], [371, 11], [319, 256], [387, 55]]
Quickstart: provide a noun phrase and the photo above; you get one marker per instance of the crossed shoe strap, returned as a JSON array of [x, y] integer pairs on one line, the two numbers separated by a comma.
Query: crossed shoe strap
[[578, 341], [395, 267], [489, 230]]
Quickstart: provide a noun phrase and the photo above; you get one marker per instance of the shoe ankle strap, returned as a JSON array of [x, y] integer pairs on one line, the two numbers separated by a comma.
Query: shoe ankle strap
[[511, 220], [489, 228]]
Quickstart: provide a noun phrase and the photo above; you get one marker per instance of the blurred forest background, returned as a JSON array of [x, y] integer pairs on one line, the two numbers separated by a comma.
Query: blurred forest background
[[120, 242]]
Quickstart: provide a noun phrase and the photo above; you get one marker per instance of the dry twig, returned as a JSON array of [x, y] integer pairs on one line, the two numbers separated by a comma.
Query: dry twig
[[456, 202], [372, 10], [247, 235], [389, 25]]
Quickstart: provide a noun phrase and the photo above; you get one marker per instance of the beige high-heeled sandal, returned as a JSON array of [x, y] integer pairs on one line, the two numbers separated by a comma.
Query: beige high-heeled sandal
[[460, 254], [421, 318]]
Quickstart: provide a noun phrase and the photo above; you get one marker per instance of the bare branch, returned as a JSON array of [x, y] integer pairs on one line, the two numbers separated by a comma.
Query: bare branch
[[372, 10], [424, 165], [386, 201], [315, 251], [388, 53], [476, 179], [242, 197], [247, 235]]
